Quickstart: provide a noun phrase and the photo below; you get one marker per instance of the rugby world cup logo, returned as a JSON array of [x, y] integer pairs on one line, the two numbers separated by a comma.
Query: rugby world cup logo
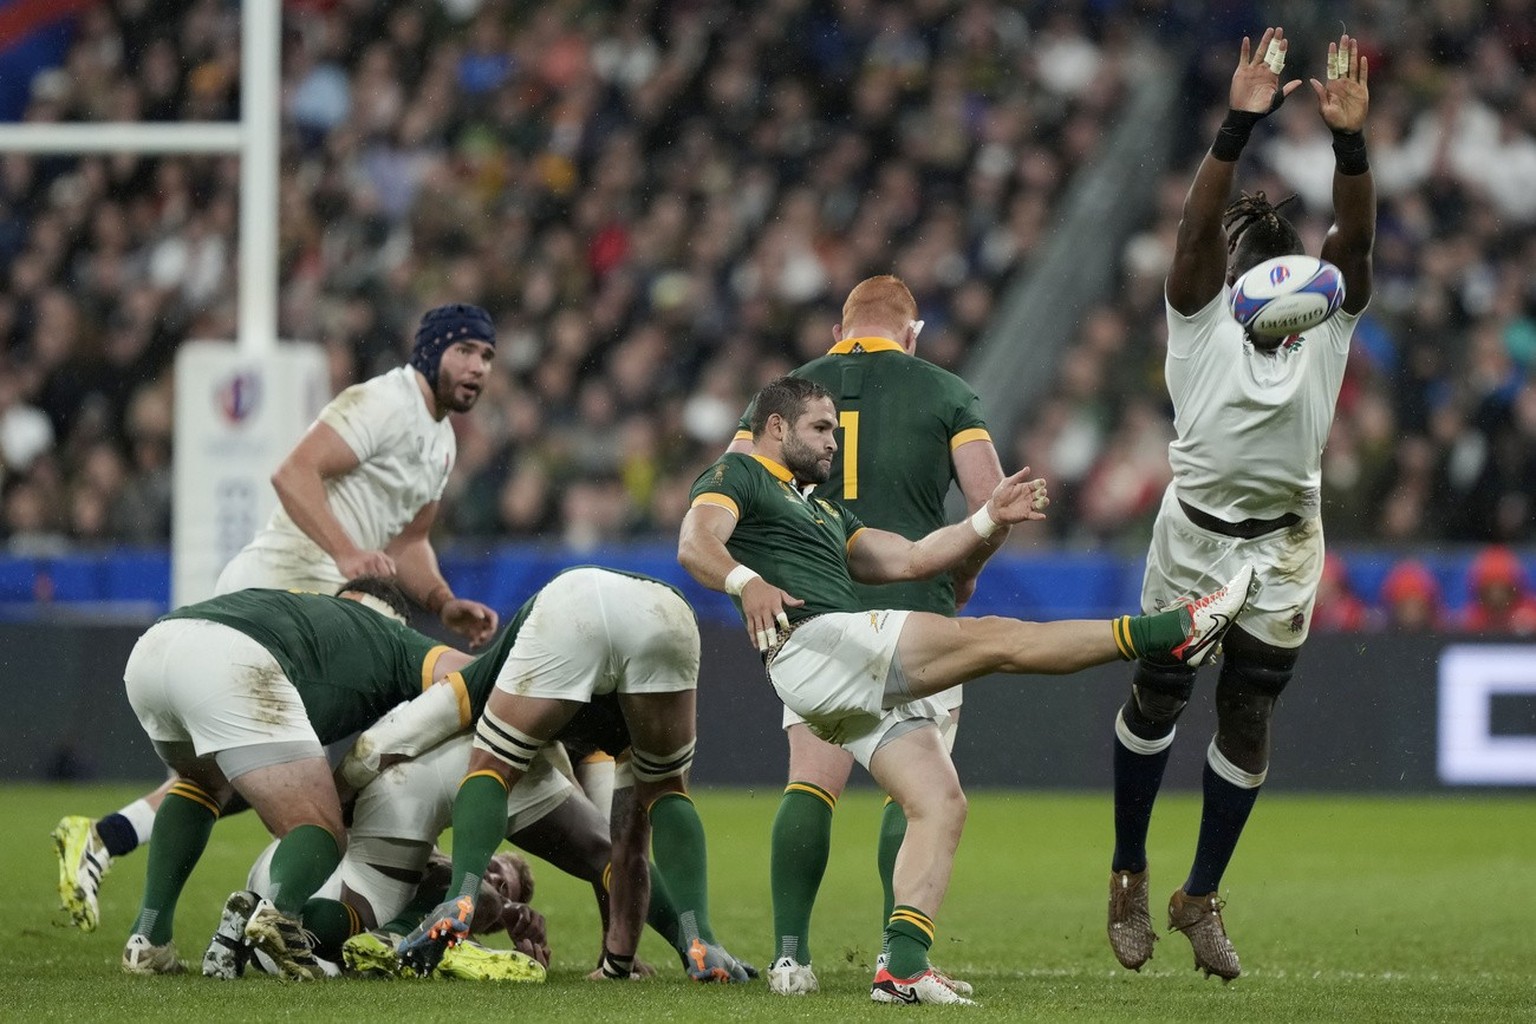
[[1279, 274], [238, 396]]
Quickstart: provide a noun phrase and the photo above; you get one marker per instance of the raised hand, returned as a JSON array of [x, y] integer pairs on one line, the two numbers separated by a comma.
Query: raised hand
[[1017, 499], [1345, 98], [1255, 81]]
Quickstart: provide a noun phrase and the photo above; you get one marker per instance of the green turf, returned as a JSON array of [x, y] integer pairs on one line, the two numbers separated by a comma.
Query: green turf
[[1343, 909]]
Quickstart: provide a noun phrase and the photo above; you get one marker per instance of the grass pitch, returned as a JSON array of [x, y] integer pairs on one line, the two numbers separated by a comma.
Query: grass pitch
[[1342, 908]]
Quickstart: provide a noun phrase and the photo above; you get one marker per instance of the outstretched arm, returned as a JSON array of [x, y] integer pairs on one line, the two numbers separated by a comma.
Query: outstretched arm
[[1200, 251], [878, 556], [1343, 102]]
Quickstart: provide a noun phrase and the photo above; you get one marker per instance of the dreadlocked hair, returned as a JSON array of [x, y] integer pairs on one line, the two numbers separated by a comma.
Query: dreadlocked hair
[[1256, 231]]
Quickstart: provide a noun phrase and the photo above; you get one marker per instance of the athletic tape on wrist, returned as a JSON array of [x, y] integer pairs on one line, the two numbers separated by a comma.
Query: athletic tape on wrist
[[983, 523], [737, 579]]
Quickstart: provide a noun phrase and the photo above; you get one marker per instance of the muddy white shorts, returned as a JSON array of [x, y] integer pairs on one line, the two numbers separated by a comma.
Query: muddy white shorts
[[414, 799], [200, 682], [1185, 560], [839, 673], [592, 632]]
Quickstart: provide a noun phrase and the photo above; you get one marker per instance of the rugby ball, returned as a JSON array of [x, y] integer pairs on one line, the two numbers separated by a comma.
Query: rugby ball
[[1287, 295]]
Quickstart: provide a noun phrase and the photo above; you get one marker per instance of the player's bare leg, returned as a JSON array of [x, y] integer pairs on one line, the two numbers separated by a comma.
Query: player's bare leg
[[916, 770], [938, 652]]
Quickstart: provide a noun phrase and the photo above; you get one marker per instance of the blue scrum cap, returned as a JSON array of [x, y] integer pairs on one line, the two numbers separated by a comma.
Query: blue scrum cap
[[441, 327]]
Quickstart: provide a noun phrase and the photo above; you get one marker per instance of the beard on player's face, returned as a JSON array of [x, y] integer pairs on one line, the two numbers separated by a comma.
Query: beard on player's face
[[457, 393], [804, 461]]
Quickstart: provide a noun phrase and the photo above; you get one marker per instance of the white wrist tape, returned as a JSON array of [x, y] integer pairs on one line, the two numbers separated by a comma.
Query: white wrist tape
[[738, 578], [983, 523]]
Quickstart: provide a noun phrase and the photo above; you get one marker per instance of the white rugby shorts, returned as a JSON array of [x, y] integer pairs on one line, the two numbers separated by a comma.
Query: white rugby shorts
[[834, 673], [191, 680], [593, 632], [1185, 560]]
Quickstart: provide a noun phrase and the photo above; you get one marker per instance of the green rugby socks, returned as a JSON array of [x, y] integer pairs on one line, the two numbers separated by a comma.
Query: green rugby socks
[[303, 860], [180, 835], [677, 840], [801, 845]]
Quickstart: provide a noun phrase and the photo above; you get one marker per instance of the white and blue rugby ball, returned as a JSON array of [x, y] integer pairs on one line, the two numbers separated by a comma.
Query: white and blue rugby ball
[[1287, 295]]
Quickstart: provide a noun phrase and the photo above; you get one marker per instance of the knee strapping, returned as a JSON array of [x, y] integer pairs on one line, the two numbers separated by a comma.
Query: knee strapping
[[1265, 670], [1159, 694], [505, 741], [650, 767]]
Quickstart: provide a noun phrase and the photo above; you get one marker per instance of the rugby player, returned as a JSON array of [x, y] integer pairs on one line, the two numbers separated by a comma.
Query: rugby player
[[909, 430], [1252, 417], [358, 496], [860, 678]]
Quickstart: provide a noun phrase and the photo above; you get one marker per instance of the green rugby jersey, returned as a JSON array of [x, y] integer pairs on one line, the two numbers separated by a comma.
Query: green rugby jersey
[[798, 544], [900, 418], [349, 663], [479, 676]]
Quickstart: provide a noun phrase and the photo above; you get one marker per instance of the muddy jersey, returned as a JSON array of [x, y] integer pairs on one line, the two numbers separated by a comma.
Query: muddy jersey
[[404, 457]]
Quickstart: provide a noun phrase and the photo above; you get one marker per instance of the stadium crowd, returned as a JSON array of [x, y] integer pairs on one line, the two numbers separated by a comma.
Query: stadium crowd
[[661, 202]]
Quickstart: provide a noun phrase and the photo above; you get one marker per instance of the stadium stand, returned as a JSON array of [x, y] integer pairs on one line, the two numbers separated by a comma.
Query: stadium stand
[[661, 200]]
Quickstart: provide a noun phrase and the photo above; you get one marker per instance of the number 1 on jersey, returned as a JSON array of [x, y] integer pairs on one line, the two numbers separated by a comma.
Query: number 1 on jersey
[[849, 421]]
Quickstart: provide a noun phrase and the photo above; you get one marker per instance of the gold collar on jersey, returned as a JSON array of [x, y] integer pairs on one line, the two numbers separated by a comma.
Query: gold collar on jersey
[[871, 344], [783, 474]]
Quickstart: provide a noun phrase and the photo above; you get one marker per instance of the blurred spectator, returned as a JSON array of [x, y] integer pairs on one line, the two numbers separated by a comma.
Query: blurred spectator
[[658, 202], [1500, 600], [1339, 609], [1410, 597]]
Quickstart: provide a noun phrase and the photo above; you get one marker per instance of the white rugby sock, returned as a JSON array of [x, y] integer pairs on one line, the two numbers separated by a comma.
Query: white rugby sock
[[142, 817]]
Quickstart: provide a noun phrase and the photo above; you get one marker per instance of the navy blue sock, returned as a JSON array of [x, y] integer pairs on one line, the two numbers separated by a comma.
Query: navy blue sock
[[1222, 818], [1137, 778], [117, 834]]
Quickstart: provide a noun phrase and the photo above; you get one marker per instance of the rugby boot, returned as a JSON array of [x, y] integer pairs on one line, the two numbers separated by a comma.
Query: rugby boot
[[1199, 918], [1210, 617], [281, 938], [228, 952], [925, 988], [83, 862], [140, 956], [1130, 922], [447, 925]]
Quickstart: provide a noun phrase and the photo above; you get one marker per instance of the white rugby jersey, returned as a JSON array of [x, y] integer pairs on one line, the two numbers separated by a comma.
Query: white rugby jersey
[[1251, 424], [404, 459]]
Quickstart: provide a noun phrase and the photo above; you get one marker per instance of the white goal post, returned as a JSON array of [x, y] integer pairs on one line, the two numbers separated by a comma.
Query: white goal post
[[239, 406], [254, 137]]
